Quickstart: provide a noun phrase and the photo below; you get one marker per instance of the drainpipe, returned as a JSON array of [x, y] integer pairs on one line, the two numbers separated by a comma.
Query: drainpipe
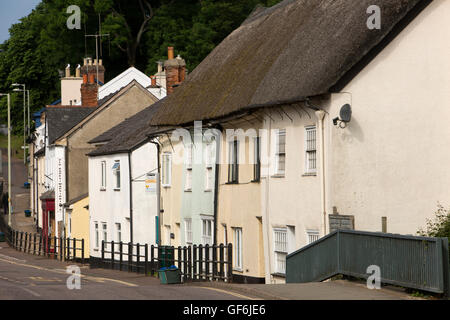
[[158, 194], [216, 185], [131, 196], [35, 187], [266, 223], [320, 114]]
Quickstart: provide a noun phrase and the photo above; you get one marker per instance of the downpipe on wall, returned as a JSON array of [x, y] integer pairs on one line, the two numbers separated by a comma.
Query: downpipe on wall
[[320, 114]]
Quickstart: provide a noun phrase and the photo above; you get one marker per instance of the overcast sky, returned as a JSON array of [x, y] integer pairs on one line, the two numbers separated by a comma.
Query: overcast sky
[[11, 11]]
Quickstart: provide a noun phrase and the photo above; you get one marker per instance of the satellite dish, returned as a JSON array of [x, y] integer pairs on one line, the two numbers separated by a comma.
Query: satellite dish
[[346, 113]]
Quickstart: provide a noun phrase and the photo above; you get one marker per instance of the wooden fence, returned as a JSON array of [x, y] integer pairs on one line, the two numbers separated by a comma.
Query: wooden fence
[[64, 249], [196, 263]]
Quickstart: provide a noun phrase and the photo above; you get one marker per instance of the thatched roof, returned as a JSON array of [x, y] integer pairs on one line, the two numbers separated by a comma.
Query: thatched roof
[[285, 53]]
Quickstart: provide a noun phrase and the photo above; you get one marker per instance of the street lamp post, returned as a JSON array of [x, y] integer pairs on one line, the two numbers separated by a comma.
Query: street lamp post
[[24, 117], [9, 157], [28, 113]]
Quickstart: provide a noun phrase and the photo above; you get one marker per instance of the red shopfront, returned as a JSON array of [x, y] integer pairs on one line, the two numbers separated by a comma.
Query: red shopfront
[[48, 221]]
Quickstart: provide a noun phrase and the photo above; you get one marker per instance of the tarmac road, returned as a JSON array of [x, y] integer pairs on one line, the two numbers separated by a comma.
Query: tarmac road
[[29, 277]]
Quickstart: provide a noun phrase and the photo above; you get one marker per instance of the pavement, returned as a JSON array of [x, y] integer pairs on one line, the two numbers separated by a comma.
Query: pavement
[[327, 290]]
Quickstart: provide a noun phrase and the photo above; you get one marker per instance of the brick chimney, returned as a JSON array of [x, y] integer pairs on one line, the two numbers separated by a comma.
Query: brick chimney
[[175, 70], [154, 84], [90, 67], [89, 91]]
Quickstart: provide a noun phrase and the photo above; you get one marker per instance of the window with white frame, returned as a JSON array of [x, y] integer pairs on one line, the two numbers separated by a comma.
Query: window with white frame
[[310, 150], [189, 154], [233, 161], [237, 248], [116, 172], [118, 232], [207, 231], [209, 178], [166, 169], [312, 235], [280, 155], [280, 245], [188, 231], [105, 232], [97, 237], [103, 168]]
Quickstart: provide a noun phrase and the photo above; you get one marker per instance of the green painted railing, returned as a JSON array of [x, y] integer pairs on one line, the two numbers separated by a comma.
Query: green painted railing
[[409, 261]]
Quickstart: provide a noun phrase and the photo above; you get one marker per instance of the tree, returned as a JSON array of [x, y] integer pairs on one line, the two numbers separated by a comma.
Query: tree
[[127, 21], [140, 31], [439, 226], [195, 27]]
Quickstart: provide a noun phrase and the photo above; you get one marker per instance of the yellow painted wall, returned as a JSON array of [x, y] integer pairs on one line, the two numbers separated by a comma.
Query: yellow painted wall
[[239, 205], [80, 223]]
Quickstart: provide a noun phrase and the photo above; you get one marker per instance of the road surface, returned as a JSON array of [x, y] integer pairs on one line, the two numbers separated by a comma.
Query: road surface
[[28, 277]]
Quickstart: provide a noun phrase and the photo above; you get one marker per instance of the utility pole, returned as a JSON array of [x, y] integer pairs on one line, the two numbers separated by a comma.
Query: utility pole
[[29, 119], [9, 160], [9, 157]]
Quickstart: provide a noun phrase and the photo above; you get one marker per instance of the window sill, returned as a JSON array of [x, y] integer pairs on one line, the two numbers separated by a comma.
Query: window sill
[[277, 176], [255, 181], [280, 275], [208, 190], [238, 269], [312, 174], [166, 186], [116, 189], [102, 189], [96, 249], [236, 182], [188, 190]]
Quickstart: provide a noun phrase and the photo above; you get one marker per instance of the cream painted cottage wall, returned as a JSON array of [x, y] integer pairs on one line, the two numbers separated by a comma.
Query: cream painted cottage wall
[[393, 158], [171, 193], [291, 201]]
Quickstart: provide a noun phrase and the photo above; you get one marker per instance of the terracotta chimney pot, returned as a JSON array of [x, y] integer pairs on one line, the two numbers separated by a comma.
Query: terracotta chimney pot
[[170, 53]]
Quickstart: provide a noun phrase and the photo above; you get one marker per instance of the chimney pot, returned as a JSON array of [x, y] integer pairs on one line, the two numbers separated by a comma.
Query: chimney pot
[[153, 81], [91, 78], [170, 53], [68, 71], [85, 78], [100, 62]]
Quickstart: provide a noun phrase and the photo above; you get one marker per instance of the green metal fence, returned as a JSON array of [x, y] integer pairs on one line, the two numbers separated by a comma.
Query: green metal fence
[[408, 261]]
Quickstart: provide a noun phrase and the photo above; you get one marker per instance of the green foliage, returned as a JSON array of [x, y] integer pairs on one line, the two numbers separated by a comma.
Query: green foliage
[[140, 32], [16, 145], [439, 226]]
